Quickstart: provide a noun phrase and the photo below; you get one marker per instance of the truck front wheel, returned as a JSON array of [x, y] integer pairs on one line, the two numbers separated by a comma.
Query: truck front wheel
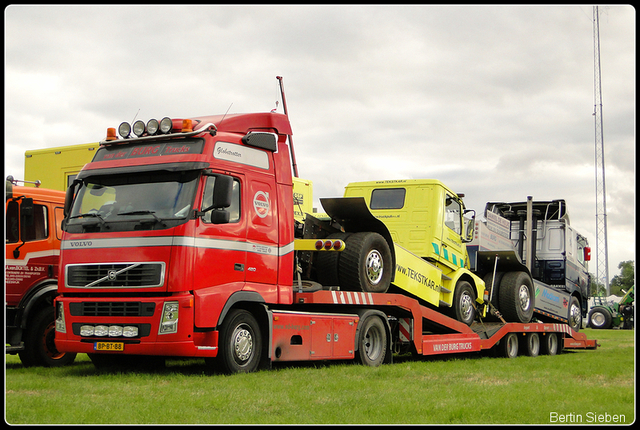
[[575, 314], [517, 297], [464, 303], [365, 264], [39, 345], [240, 343]]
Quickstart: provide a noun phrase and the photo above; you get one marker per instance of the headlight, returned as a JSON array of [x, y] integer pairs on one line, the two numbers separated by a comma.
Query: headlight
[[169, 321], [101, 331]]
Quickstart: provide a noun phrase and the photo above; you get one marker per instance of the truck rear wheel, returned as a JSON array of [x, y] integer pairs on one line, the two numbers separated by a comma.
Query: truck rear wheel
[[517, 297], [39, 342], [464, 299], [372, 341], [600, 318], [365, 264], [240, 343]]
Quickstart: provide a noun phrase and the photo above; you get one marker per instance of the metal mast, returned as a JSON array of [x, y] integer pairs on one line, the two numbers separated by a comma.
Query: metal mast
[[602, 260]]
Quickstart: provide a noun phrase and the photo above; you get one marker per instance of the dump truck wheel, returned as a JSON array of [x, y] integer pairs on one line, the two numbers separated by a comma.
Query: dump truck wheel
[[240, 343], [600, 318], [516, 297], [372, 341], [464, 300], [365, 264]]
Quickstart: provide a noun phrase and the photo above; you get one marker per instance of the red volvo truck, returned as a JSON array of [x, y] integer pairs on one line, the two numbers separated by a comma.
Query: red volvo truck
[[181, 240]]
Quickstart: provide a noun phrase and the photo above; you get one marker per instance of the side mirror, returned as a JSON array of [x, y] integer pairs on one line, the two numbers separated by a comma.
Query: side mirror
[[68, 198], [222, 194], [26, 212], [471, 224]]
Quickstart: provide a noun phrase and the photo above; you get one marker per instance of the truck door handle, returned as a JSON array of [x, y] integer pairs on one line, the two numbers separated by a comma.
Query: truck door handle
[[239, 267]]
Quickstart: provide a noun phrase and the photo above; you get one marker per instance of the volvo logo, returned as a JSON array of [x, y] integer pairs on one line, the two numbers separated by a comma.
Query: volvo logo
[[111, 274]]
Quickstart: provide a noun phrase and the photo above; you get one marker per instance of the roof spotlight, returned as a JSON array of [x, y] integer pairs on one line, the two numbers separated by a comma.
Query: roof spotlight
[[166, 124], [152, 126], [124, 130], [138, 128]]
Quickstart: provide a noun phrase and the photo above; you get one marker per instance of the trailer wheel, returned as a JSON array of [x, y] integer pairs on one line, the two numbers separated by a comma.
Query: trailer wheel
[[365, 264], [464, 303], [600, 318], [531, 344], [508, 346], [549, 344], [39, 342], [372, 341], [575, 314], [240, 343], [517, 297]]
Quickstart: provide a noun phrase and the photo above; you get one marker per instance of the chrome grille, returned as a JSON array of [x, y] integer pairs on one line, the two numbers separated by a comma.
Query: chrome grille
[[115, 275]]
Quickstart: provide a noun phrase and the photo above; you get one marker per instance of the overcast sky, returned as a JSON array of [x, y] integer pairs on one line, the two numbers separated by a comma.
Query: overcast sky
[[495, 101]]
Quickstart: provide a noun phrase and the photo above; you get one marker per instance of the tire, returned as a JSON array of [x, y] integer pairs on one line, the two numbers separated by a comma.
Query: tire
[[39, 342], [327, 263], [240, 343], [372, 341], [600, 318], [365, 264], [517, 297], [464, 298], [508, 346], [530, 344], [575, 314], [550, 344]]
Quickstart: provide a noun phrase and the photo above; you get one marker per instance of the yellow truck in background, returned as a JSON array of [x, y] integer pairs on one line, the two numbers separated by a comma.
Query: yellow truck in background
[[56, 168]]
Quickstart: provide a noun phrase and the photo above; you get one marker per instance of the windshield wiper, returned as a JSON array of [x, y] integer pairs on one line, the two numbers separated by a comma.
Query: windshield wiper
[[92, 215], [152, 213]]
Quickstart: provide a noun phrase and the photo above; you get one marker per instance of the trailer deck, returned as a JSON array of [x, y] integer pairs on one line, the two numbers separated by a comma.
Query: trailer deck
[[440, 334]]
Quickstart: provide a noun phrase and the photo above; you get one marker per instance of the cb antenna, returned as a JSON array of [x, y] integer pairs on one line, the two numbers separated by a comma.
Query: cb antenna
[[284, 107]]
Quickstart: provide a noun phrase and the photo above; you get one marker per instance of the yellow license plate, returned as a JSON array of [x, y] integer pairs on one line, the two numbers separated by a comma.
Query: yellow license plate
[[108, 346]]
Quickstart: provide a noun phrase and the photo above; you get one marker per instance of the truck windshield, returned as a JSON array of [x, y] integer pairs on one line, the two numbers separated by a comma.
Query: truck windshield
[[147, 201]]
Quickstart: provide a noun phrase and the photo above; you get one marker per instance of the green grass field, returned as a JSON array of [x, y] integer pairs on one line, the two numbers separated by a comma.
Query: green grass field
[[576, 386]]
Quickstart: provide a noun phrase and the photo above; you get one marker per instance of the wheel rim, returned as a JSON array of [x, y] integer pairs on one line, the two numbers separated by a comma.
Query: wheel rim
[[512, 346], [534, 343], [523, 297], [575, 318], [242, 344], [597, 319], [48, 341], [466, 306], [374, 267], [372, 343]]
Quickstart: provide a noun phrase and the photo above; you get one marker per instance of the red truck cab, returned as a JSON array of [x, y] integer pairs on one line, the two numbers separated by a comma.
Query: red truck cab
[[32, 251], [165, 233]]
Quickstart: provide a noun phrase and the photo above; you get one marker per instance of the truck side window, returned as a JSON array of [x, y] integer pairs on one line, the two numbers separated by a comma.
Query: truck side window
[[388, 198], [13, 225], [207, 200], [452, 213], [40, 228]]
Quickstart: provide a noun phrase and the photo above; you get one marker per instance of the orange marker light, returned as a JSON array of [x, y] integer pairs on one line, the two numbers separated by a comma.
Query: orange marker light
[[187, 126], [111, 134]]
